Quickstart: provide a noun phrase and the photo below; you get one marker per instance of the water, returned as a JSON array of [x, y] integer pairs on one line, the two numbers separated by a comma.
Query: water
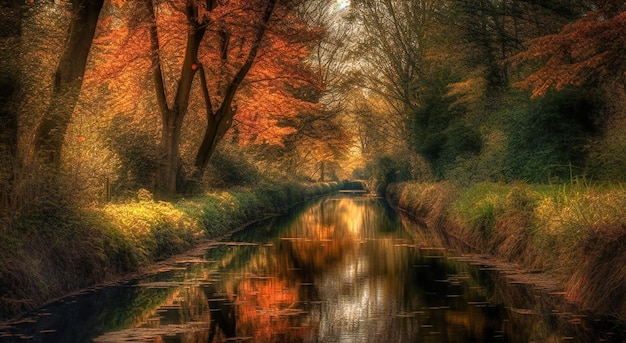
[[342, 269]]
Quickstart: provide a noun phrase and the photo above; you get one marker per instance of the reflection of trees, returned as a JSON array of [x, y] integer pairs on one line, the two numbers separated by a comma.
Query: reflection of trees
[[222, 313], [336, 274], [276, 288]]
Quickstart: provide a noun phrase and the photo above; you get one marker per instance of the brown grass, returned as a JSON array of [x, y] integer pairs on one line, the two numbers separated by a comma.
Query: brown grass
[[575, 233]]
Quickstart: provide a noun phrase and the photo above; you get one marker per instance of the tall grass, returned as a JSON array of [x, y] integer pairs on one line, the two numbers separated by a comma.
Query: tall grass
[[54, 251], [575, 232], [587, 227]]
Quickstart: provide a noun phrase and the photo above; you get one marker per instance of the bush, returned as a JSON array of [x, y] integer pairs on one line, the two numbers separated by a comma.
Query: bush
[[229, 167], [607, 160], [136, 150], [386, 170], [550, 136]]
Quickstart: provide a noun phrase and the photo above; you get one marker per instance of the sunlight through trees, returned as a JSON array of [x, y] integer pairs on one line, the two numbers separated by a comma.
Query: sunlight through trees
[[111, 97]]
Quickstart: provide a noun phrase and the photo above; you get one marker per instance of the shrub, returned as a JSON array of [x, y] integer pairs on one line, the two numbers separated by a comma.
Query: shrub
[[607, 160], [229, 167], [156, 229], [387, 170], [136, 150], [547, 139]]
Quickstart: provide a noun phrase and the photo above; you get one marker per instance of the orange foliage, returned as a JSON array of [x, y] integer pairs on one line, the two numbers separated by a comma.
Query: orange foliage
[[122, 61], [588, 50], [266, 96]]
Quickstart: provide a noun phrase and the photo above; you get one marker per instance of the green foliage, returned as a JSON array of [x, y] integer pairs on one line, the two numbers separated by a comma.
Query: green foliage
[[485, 167], [607, 153], [490, 121], [434, 115], [229, 167], [384, 171], [444, 150], [438, 129], [550, 136], [136, 150]]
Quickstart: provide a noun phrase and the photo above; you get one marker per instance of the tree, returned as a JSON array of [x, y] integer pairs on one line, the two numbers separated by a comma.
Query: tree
[[320, 140], [587, 51], [199, 17], [67, 83], [10, 34], [395, 40], [317, 146], [243, 52], [375, 130], [587, 56], [492, 31], [276, 85], [172, 115], [220, 120], [332, 56]]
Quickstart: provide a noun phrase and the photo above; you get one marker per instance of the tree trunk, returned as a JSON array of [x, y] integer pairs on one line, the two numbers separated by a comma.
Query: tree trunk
[[217, 126], [10, 33], [172, 118], [219, 122], [169, 163], [8, 141], [68, 80], [11, 24]]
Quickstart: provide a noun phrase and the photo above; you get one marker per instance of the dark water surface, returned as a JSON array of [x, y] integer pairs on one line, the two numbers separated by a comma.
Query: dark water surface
[[342, 269]]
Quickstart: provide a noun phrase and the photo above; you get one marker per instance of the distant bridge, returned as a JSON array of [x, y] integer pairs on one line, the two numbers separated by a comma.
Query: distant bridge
[[354, 187]]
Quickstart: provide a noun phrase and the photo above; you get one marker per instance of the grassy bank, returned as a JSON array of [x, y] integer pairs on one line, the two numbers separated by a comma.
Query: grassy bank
[[575, 233], [51, 254]]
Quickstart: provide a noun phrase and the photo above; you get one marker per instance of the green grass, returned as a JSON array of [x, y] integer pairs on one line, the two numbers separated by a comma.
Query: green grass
[[479, 206], [54, 252], [576, 232]]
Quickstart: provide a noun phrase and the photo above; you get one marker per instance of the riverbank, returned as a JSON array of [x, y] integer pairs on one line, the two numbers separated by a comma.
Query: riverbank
[[575, 234], [48, 255]]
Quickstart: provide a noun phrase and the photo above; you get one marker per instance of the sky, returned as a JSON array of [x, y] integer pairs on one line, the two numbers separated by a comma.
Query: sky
[[341, 5]]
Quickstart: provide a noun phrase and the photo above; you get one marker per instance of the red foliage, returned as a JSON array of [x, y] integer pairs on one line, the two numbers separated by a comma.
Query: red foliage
[[591, 49], [266, 96], [122, 57]]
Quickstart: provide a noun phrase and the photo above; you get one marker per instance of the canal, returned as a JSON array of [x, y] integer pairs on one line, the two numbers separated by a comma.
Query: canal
[[340, 269]]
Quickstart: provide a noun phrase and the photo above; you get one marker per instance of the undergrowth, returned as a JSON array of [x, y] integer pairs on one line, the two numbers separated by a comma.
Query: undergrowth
[[49, 254], [576, 232]]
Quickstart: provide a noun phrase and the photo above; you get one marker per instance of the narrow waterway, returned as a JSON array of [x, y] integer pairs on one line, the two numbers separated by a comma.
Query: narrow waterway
[[342, 269]]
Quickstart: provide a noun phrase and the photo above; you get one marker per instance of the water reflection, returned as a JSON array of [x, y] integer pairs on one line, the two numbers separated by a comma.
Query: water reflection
[[340, 270]]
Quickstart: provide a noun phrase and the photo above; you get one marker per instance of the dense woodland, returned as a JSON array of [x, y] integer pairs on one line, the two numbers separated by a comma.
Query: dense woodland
[[100, 99]]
